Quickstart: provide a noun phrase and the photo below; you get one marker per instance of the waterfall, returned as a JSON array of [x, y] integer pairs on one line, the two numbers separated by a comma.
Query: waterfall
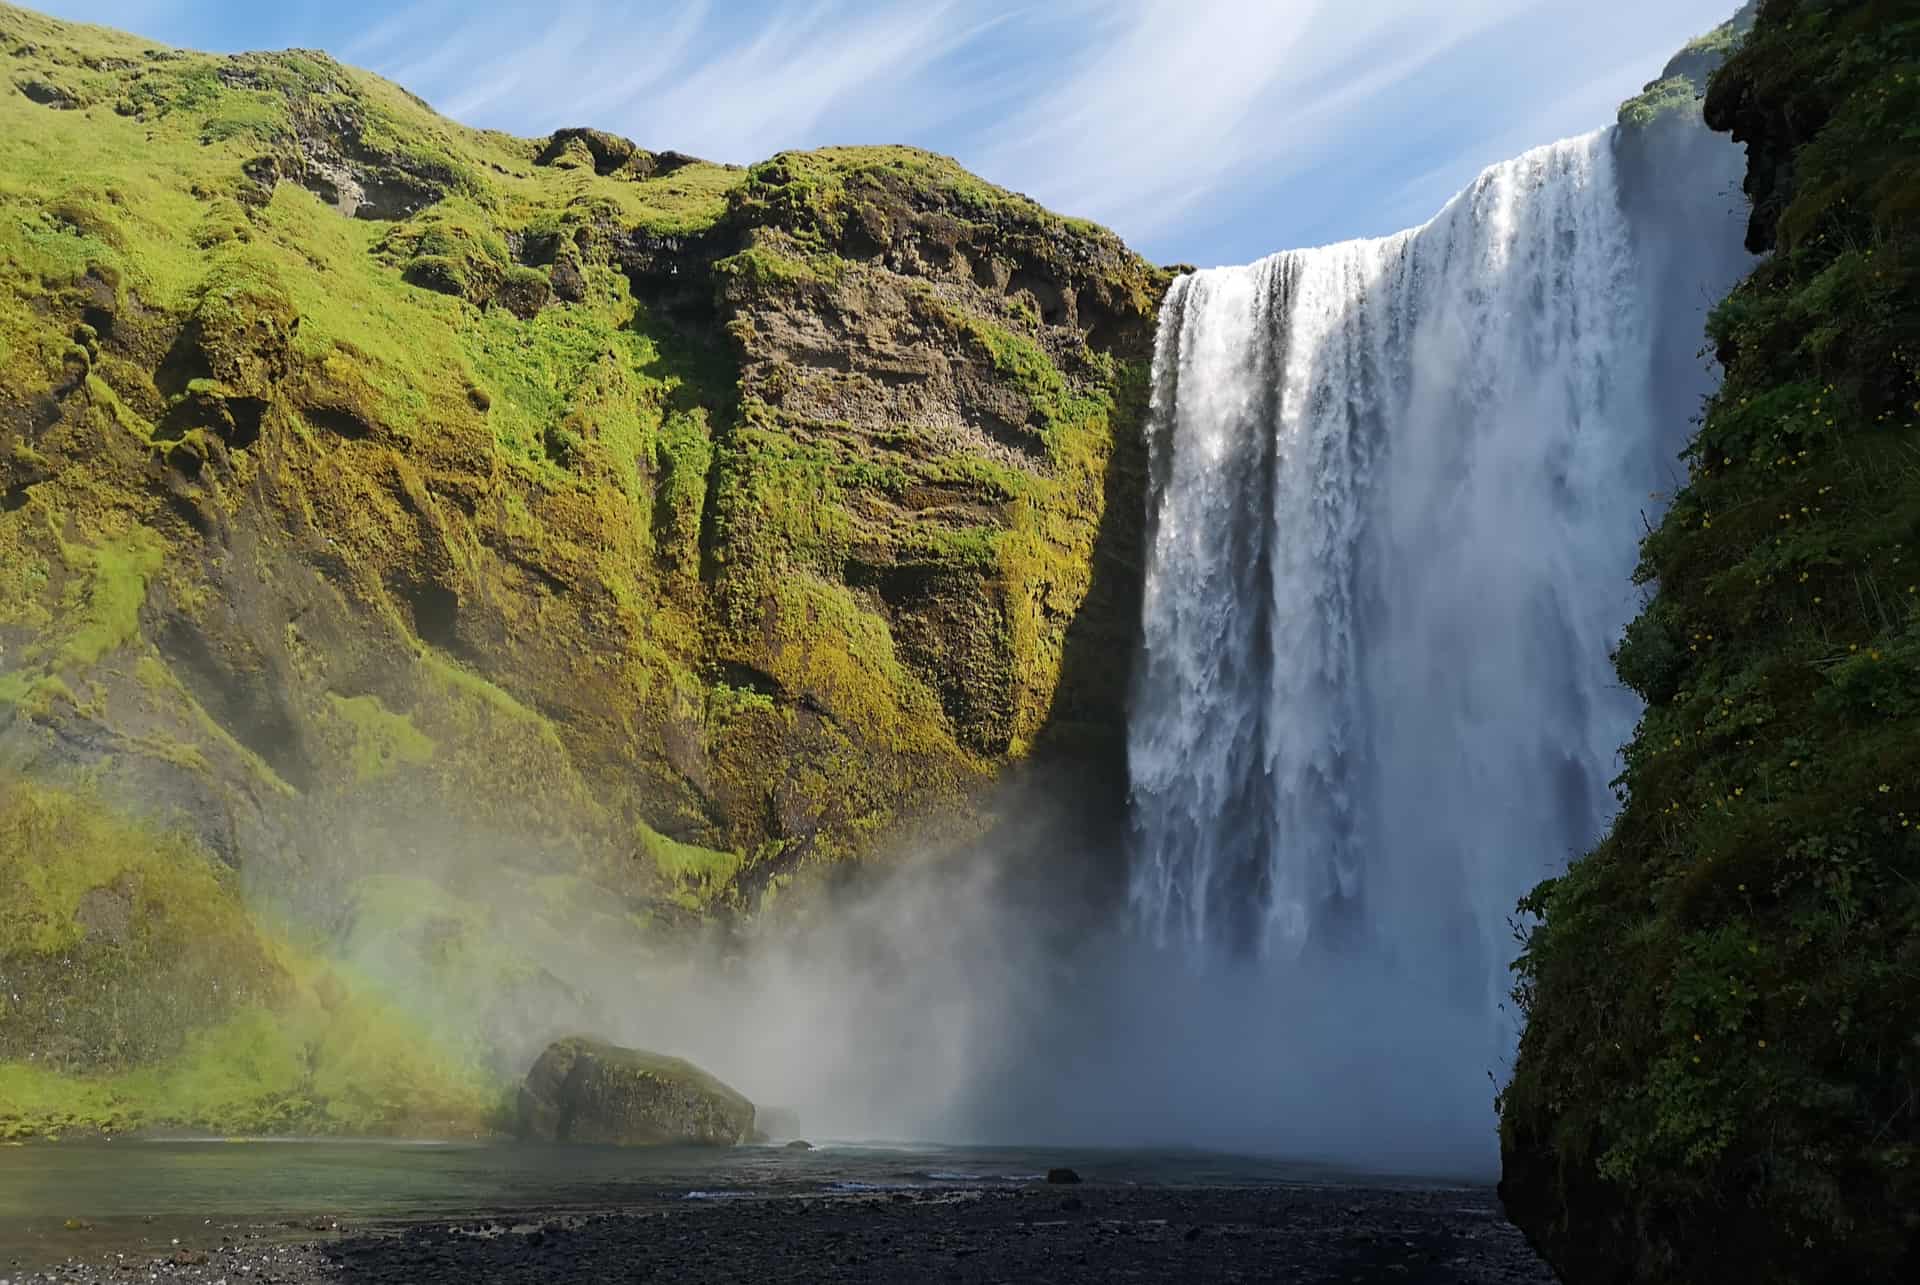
[[1395, 497]]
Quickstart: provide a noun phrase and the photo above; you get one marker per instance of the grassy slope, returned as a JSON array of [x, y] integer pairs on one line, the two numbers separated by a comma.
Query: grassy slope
[[1720, 1076]]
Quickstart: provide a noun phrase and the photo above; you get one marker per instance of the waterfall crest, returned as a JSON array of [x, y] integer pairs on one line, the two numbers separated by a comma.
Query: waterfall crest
[[1391, 538]]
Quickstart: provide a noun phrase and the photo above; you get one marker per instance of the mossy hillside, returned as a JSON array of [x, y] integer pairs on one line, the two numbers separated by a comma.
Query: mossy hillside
[[141, 993], [1719, 1073], [553, 450], [381, 498], [700, 874], [376, 359], [97, 909]]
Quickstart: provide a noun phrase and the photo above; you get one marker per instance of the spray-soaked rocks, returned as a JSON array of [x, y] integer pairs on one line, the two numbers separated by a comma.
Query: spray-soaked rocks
[[583, 1091]]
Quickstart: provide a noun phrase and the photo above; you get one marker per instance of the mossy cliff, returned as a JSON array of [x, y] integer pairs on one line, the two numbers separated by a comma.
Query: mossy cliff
[[385, 502], [1720, 1073]]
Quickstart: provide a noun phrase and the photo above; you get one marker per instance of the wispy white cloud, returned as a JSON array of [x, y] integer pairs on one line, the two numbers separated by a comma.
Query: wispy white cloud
[[1187, 97], [689, 76], [810, 67]]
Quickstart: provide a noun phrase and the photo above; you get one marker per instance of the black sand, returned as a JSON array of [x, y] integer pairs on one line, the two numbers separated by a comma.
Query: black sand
[[1089, 1233]]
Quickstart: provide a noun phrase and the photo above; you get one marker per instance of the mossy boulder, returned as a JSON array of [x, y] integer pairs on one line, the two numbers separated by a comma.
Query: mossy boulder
[[586, 1092]]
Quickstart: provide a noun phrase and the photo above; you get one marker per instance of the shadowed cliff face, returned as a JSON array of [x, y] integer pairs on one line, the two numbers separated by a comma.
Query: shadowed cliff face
[[410, 514]]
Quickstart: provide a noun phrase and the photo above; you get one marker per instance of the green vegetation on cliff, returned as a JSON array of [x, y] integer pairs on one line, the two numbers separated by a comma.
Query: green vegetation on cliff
[[1720, 1074], [1683, 82], [447, 530]]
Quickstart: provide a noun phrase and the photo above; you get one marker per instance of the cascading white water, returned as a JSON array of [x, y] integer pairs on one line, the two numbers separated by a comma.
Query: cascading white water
[[1393, 523]]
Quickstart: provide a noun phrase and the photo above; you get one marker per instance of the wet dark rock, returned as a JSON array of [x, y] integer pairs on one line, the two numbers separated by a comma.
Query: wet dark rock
[[524, 292], [799, 1144], [569, 282], [48, 95], [608, 155], [1062, 1176]]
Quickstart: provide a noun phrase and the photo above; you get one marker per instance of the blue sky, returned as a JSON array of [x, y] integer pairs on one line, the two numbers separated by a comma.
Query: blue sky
[[1203, 131]]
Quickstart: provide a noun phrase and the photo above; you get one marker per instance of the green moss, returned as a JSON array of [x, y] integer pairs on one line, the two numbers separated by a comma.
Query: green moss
[[1679, 89], [683, 459], [254, 116], [699, 877], [489, 695], [441, 273], [382, 740], [356, 1069], [815, 192], [101, 589], [764, 268], [724, 703], [107, 609], [779, 500], [829, 649], [1660, 98], [57, 846]]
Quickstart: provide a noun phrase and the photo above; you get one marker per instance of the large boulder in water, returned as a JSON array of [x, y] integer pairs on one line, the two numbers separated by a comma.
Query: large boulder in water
[[583, 1091]]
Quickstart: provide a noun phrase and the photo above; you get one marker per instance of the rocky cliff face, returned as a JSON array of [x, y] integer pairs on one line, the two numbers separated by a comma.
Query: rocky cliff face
[[1719, 1075], [379, 495]]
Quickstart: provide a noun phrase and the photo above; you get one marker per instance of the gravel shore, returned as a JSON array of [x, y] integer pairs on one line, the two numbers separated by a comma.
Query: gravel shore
[[1087, 1233]]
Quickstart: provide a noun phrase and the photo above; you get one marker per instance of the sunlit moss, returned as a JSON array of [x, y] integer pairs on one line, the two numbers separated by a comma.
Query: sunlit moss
[[699, 876], [382, 740]]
